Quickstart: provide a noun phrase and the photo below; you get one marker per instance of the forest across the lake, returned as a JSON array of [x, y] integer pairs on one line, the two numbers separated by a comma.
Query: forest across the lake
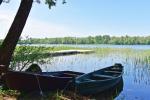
[[100, 39]]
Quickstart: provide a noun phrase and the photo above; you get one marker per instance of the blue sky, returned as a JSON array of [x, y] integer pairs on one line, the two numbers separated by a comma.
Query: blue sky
[[81, 18]]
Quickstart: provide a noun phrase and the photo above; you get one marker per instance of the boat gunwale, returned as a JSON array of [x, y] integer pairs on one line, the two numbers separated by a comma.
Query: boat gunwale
[[92, 81], [41, 75]]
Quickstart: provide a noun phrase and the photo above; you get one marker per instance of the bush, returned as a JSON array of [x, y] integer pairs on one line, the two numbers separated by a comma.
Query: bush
[[27, 55]]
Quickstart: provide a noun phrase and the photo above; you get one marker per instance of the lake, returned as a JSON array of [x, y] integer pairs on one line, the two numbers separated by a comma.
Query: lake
[[139, 47], [134, 58]]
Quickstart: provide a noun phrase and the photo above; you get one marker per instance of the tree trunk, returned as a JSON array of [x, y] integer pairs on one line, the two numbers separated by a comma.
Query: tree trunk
[[8, 46], [1, 2]]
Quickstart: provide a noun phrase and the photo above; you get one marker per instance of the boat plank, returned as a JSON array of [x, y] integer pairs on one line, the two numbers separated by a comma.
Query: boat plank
[[113, 72], [105, 76]]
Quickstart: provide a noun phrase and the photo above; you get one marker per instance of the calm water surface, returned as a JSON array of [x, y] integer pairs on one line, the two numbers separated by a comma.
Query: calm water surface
[[136, 62], [139, 47]]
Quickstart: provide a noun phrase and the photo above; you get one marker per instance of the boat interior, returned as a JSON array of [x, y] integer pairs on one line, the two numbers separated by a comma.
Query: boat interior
[[63, 74], [103, 74]]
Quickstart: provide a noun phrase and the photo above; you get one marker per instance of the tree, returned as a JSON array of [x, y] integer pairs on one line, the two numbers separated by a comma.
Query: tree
[[1, 1], [8, 46], [6, 1]]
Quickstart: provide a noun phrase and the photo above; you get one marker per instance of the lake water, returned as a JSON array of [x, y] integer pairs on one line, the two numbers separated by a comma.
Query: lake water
[[136, 62], [139, 47]]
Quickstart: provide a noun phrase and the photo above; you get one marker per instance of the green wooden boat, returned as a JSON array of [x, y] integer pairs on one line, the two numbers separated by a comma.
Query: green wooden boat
[[99, 80]]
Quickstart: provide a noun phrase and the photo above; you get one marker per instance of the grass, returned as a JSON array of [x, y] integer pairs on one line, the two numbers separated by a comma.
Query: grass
[[51, 49], [55, 95], [8, 94]]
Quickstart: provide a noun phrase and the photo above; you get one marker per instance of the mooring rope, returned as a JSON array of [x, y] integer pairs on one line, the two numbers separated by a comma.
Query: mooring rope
[[41, 92], [68, 83]]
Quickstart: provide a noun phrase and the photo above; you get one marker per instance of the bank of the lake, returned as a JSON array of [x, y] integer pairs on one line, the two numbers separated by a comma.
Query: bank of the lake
[[134, 58]]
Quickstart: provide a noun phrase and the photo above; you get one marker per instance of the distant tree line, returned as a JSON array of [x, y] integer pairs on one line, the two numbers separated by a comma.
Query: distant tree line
[[105, 39]]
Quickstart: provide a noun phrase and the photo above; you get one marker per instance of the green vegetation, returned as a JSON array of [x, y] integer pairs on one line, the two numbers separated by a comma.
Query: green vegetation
[[27, 55], [52, 95], [6, 94], [105, 39], [1, 41], [138, 58]]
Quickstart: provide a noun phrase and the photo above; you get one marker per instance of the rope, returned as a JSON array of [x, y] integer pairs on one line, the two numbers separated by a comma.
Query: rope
[[68, 83], [41, 92]]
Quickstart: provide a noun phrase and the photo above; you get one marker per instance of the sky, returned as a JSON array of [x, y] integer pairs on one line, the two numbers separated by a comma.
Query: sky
[[81, 18]]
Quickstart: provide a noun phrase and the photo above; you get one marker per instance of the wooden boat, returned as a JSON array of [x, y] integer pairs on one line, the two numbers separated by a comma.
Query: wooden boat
[[99, 80], [25, 81], [111, 93]]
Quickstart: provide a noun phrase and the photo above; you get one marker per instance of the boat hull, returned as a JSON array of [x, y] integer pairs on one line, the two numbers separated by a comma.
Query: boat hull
[[44, 81], [99, 80], [95, 87]]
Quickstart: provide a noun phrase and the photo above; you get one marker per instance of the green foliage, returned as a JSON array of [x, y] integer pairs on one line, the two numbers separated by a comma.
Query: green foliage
[[26, 55], [51, 3], [8, 92], [106, 39], [0, 41]]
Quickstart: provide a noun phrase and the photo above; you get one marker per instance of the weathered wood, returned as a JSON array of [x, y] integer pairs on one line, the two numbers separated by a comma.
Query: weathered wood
[[69, 52], [99, 80], [44, 81]]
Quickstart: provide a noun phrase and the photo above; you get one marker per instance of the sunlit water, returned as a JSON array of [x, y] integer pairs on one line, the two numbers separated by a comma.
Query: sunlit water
[[136, 77], [138, 47]]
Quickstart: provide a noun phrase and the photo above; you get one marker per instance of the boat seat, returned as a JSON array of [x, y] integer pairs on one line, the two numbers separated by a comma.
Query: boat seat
[[70, 74], [114, 72], [105, 76]]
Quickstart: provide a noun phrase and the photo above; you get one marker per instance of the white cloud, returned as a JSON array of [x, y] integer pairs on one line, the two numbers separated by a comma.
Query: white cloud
[[33, 28], [6, 19], [40, 29]]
